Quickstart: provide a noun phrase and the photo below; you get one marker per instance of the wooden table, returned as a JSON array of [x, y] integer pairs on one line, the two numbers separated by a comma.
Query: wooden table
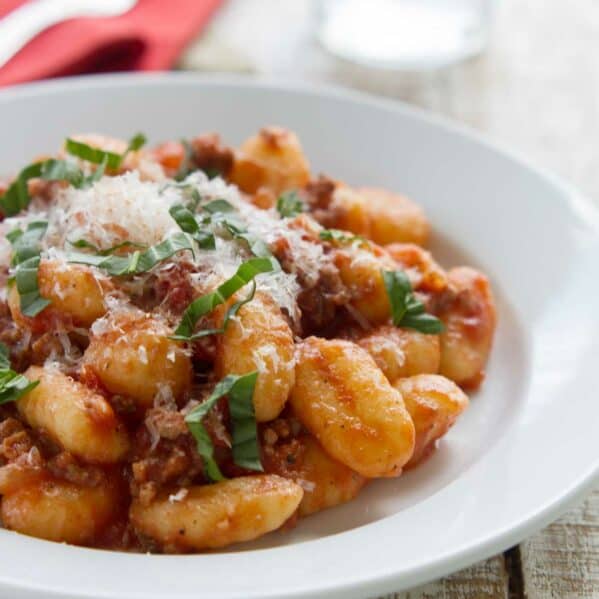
[[536, 90]]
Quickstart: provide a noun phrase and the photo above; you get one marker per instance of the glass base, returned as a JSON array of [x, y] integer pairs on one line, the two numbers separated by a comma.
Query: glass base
[[404, 34]]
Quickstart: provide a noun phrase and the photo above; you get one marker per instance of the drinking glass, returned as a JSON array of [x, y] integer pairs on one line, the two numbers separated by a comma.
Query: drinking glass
[[405, 34]]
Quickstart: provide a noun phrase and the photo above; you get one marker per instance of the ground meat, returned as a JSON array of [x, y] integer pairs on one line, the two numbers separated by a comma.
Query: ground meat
[[9, 427], [320, 302], [318, 194], [65, 466], [281, 451], [164, 455], [210, 156], [15, 445], [320, 296], [167, 424]]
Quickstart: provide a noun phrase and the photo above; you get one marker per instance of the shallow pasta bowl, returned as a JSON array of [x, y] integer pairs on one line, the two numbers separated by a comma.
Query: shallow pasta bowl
[[527, 446]]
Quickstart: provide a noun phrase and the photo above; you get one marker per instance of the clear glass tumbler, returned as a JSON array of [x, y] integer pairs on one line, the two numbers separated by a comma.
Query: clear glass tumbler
[[405, 34]]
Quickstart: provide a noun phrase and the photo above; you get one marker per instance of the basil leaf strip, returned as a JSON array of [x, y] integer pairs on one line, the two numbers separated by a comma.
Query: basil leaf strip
[[230, 313], [83, 243], [188, 223], [340, 236], [12, 384], [240, 393], [17, 196], [289, 204], [26, 244], [32, 303], [218, 205], [187, 167], [137, 262], [246, 452], [406, 310], [26, 260], [206, 303], [112, 160]]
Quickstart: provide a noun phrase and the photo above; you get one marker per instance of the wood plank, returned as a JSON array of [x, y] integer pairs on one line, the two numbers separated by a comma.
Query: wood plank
[[562, 561], [488, 579]]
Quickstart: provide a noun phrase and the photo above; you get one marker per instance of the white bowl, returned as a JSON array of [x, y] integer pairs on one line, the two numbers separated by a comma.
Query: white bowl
[[527, 446]]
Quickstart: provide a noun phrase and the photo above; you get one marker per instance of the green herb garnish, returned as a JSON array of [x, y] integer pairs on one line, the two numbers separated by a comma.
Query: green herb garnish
[[218, 206], [12, 384], [188, 223], [340, 236], [406, 310], [94, 155], [206, 303], [187, 166], [136, 262], [26, 260], [289, 204], [240, 393], [83, 243]]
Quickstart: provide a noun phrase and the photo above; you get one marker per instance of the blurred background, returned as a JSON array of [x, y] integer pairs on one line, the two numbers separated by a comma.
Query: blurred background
[[524, 71]]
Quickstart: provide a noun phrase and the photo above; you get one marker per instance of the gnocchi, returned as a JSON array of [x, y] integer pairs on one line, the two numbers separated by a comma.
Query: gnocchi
[[273, 159], [402, 352], [434, 403], [345, 401], [212, 516], [133, 356], [73, 290], [61, 511], [76, 418], [259, 338], [210, 344], [470, 318]]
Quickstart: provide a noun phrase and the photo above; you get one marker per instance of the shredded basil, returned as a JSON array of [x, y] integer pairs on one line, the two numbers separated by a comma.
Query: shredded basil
[[12, 384], [188, 223], [339, 236], [25, 244], [406, 310], [230, 313], [26, 260], [136, 262], [289, 204], [17, 196], [83, 243], [206, 303], [218, 206], [240, 393], [94, 155], [187, 166]]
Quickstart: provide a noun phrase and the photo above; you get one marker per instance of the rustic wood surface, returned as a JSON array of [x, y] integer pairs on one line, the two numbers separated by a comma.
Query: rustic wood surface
[[536, 90]]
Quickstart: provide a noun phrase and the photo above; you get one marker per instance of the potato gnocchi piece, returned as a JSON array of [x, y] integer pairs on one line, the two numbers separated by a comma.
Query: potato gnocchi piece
[[325, 481], [209, 516], [379, 215], [132, 355], [424, 273], [345, 401], [469, 315], [360, 270], [402, 352], [273, 159], [394, 218], [62, 511], [434, 403], [75, 417], [259, 338], [75, 292]]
